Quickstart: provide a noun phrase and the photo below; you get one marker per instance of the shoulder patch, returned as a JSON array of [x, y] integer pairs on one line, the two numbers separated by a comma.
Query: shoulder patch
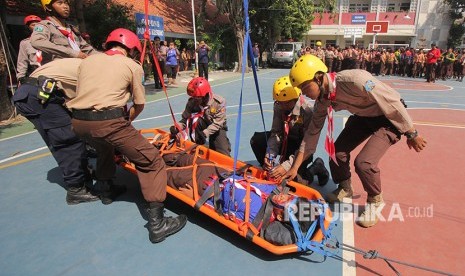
[[369, 85], [38, 29]]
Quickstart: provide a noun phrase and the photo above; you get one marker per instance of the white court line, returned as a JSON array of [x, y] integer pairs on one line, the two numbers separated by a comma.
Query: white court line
[[348, 235], [19, 135], [215, 85], [22, 154]]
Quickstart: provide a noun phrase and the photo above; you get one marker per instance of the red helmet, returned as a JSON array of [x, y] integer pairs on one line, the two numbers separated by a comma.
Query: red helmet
[[125, 37], [31, 18], [199, 87]]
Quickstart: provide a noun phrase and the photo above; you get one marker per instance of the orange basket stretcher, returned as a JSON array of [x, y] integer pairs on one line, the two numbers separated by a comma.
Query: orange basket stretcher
[[243, 229]]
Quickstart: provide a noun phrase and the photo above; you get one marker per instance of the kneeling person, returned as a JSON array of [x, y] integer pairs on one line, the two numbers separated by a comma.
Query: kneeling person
[[292, 114], [205, 117]]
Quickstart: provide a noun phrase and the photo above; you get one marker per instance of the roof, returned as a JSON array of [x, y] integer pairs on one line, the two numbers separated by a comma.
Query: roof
[[180, 23]]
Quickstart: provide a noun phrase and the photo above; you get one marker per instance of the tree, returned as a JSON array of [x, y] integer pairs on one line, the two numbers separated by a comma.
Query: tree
[[234, 10], [103, 16], [457, 29], [6, 107]]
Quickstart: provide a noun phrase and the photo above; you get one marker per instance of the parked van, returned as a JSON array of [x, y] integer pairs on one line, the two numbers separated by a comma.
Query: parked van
[[285, 53]]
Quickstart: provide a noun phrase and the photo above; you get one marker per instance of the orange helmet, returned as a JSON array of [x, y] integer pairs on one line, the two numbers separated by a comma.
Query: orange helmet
[[125, 37], [31, 18], [199, 87]]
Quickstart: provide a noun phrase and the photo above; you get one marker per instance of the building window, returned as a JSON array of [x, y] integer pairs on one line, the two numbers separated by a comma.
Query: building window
[[359, 7], [330, 43], [404, 6], [391, 7]]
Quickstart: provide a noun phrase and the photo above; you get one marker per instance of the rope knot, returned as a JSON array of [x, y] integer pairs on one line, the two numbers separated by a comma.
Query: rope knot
[[372, 254]]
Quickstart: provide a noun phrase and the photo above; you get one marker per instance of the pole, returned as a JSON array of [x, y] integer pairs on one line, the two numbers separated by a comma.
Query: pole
[[374, 40], [353, 39], [195, 37]]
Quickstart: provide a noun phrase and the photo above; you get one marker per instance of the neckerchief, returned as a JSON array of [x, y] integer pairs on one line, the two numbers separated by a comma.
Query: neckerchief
[[68, 33], [113, 52], [329, 140], [39, 57], [192, 123], [287, 119]]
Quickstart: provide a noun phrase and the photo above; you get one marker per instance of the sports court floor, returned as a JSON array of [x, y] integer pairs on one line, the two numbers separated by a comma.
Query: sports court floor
[[424, 218]]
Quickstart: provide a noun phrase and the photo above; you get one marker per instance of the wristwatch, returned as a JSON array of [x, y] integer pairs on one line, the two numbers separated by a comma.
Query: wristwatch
[[411, 135]]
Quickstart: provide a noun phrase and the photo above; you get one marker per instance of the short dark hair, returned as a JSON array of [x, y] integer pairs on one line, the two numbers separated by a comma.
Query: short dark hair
[[157, 37]]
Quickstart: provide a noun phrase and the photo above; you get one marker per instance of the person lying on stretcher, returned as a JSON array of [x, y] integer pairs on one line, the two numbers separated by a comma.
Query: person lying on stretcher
[[276, 227]]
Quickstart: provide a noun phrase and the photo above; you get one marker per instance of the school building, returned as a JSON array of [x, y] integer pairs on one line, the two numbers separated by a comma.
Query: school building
[[416, 22]]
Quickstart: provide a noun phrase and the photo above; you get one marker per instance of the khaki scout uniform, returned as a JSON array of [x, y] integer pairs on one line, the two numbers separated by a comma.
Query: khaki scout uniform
[[299, 119], [48, 38], [105, 84], [27, 59], [378, 115], [52, 120], [213, 124]]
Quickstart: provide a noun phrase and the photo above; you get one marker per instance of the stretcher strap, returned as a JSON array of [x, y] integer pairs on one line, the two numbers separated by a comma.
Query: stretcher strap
[[304, 242]]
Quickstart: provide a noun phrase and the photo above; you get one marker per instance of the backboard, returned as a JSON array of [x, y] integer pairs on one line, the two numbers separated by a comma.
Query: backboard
[[377, 27]]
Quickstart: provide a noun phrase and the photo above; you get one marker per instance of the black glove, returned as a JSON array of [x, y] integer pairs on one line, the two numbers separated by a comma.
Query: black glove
[[173, 130]]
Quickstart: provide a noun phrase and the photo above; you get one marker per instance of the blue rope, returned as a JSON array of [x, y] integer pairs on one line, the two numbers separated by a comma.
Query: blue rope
[[239, 112]]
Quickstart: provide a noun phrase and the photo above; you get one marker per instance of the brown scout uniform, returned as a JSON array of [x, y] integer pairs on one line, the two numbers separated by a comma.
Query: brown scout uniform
[[300, 118], [215, 119], [66, 75], [105, 84], [27, 59], [378, 115], [54, 44]]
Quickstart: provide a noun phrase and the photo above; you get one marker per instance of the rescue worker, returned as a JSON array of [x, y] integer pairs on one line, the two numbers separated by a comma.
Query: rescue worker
[[379, 115], [29, 58], [56, 38], [204, 117], [40, 98], [319, 52], [291, 116], [99, 119]]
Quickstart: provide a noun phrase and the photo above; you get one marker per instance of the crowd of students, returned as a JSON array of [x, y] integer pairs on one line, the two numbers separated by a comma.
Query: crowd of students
[[438, 64]]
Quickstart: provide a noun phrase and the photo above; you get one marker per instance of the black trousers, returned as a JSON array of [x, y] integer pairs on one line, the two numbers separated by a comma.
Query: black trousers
[[203, 70], [53, 122], [258, 142]]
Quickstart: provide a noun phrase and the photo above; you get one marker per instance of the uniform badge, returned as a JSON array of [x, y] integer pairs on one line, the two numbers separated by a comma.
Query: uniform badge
[[39, 29], [369, 85], [213, 110]]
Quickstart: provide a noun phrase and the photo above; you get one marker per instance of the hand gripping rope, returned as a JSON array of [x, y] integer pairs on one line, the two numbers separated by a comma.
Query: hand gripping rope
[[155, 59]]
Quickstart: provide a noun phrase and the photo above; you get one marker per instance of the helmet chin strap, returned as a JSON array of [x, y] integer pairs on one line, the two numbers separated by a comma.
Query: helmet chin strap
[[321, 87]]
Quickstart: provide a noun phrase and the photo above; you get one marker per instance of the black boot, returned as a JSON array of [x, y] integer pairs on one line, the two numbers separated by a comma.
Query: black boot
[[79, 194], [108, 191], [160, 226], [318, 168]]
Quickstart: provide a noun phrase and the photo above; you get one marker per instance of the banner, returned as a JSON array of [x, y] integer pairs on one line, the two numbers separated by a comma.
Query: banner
[[155, 26]]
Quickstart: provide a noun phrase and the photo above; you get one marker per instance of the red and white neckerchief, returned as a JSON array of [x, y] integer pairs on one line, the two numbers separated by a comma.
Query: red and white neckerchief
[[287, 119], [329, 141], [192, 123], [39, 57], [68, 33]]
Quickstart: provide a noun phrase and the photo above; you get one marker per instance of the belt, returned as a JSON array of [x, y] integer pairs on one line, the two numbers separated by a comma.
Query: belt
[[93, 115]]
